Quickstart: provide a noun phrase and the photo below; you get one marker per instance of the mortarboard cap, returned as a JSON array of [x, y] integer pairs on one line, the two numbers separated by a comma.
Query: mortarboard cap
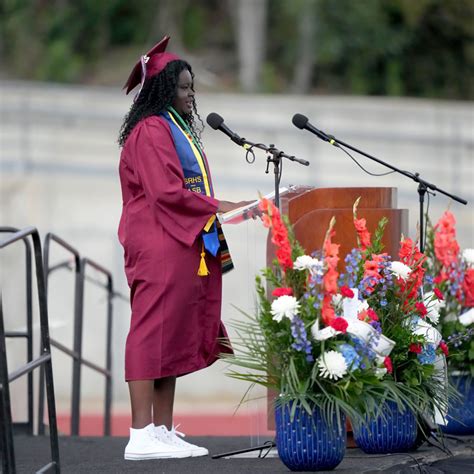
[[150, 64]]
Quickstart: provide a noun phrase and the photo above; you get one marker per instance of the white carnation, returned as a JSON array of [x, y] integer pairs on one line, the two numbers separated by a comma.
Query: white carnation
[[400, 270], [305, 262], [467, 318], [332, 365], [285, 307], [468, 257]]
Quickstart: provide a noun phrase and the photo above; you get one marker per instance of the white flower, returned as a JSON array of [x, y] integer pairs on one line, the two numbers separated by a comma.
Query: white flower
[[433, 305], [305, 262], [332, 365], [400, 270], [468, 257], [432, 301], [467, 318], [323, 334], [433, 315], [285, 307]]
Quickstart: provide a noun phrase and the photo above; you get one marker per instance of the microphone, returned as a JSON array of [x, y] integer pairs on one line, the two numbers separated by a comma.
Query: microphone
[[302, 122], [216, 122]]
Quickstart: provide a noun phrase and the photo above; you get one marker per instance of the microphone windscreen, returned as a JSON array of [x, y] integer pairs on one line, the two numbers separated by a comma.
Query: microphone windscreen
[[299, 121], [214, 120]]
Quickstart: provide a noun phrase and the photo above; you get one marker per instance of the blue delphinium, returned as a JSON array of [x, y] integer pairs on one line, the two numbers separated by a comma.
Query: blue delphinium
[[301, 343], [352, 261]]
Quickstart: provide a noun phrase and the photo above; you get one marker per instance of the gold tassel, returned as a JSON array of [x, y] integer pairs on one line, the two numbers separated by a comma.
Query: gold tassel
[[203, 270]]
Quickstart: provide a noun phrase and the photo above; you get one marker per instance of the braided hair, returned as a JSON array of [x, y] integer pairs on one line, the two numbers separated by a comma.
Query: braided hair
[[157, 94]]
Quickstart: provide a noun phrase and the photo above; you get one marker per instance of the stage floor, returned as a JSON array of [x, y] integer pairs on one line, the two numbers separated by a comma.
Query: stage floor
[[105, 455]]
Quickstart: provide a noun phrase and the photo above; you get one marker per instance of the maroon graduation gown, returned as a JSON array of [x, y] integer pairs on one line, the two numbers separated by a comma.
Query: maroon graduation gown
[[175, 323]]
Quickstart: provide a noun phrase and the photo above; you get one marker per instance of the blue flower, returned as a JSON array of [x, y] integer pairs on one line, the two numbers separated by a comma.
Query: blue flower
[[428, 355], [351, 356]]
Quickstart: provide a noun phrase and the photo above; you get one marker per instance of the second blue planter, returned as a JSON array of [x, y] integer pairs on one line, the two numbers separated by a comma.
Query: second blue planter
[[394, 432]]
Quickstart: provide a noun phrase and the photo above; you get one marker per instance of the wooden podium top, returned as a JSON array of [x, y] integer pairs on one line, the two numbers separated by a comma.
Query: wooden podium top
[[311, 209]]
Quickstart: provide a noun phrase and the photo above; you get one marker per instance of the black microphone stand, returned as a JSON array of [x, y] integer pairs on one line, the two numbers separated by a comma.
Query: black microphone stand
[[274, 156], [423, 186]]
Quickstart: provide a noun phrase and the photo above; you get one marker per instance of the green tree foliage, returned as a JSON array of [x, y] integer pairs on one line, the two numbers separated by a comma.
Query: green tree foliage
[[420, 48]]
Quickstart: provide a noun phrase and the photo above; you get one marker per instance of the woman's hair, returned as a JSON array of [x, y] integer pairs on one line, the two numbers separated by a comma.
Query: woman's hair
[[157, 94]]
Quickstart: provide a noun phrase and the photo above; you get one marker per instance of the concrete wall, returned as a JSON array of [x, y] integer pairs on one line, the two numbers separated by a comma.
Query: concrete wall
[[58, 166]]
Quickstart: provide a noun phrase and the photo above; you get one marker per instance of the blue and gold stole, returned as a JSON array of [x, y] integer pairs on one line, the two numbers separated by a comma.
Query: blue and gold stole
[[198, 179]]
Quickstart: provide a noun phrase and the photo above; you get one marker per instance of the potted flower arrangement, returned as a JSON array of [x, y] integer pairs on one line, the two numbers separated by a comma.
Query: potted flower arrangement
[[338, 343], [450, 299]]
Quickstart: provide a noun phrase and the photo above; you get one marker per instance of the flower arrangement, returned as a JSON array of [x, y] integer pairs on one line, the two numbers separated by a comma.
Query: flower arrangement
[[343, 341], [450, 294]]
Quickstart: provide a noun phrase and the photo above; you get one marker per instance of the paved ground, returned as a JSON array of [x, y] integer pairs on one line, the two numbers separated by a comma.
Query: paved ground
[[105, 455]]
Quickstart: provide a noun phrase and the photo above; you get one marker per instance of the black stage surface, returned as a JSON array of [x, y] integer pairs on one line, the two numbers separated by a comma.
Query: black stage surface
[[105, 455]]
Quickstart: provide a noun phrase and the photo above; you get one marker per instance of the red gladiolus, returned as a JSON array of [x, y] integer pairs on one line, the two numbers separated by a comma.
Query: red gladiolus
[[468, 288], [277, 292], [445, 244], [362, 233], [444, 347], [416, 348], [347, 292], [438, 293], [272, 219], [330, 281], [339, 324], [327, 311], [388, 364], [421, 308]]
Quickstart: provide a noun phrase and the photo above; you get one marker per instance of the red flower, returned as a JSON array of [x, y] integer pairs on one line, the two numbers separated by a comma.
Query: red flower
[[362, 233], [277, 292], [339, 324], [330, 281], [421, 308], [468, 287], [444, 347], [272, 219], [347, 292], [416, 348], [445, 244], [372, 314], [388, 364], [438, 293], [327, 311]]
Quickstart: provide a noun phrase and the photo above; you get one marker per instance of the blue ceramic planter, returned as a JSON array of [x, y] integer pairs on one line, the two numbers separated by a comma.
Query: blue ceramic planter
[[461, 415], [307, 443], [396, 432]]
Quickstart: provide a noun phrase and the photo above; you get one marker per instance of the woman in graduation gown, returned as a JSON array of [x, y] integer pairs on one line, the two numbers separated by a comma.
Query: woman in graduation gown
[[174, 250]]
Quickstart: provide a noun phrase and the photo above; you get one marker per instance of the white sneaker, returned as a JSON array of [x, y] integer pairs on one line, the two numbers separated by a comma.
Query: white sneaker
[[144, 444], [172, 438]]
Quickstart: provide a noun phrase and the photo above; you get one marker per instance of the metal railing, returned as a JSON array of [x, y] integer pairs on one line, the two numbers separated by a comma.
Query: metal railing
[[44, 360], [80, 265], [27, 427]]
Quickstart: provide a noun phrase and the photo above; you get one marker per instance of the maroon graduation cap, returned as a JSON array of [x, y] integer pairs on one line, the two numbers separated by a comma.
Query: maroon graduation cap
[[150, 64]]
